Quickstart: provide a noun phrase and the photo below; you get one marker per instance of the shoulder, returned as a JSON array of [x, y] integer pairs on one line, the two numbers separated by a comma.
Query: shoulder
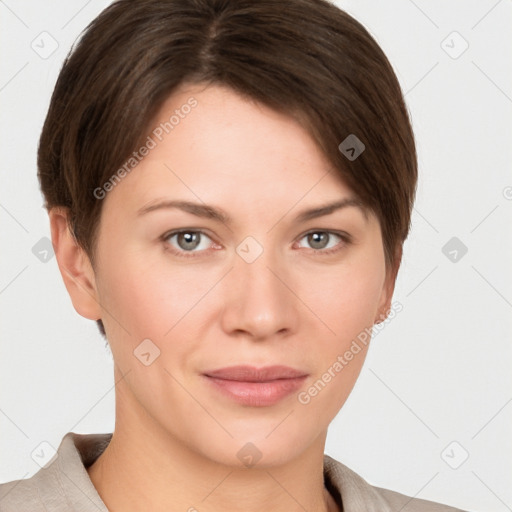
[[63, 483], [405, 503], [20, 495], [357, 494]]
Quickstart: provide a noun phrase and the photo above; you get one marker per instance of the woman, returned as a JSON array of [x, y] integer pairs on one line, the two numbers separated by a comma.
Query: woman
[[229, 185]]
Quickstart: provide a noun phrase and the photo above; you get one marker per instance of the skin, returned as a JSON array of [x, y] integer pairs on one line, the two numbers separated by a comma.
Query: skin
[[176, 438]]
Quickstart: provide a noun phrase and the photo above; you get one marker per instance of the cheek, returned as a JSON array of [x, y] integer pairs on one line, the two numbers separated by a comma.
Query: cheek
[[347, 306], [149, 298], [346, 299], [131, 298]]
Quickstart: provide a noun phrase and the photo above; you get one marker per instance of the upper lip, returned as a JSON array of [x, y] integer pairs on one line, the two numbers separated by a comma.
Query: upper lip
[[245, 373]]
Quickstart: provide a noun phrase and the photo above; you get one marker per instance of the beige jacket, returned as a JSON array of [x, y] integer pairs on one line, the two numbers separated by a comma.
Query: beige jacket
[[64, 485]]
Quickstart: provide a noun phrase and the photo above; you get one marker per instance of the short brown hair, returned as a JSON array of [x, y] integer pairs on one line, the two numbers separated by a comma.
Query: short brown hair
[[305, 58]]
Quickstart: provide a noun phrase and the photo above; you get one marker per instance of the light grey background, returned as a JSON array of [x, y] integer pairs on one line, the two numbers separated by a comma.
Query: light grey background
[[438, 373]]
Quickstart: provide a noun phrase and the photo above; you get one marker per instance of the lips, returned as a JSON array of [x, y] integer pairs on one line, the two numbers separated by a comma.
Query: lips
[[256, 387]]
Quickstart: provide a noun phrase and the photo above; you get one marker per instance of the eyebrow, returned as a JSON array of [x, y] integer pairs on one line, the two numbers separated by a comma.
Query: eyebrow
[[211, 212]]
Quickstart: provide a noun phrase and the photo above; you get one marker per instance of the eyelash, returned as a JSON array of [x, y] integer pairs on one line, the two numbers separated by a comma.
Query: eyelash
[[345, 237]]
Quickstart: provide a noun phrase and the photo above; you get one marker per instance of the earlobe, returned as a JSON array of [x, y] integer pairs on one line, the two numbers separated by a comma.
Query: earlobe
[[74, 265]]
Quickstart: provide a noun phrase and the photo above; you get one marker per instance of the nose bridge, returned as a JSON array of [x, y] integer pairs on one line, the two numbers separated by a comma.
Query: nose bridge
[[257, 300]]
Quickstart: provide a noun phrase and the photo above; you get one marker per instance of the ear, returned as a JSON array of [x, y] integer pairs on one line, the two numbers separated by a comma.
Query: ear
[[388, 287], [74, 265]]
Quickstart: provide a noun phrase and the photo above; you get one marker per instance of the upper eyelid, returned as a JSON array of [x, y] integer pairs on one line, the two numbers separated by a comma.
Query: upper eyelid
[[173, 232], [345, 237]]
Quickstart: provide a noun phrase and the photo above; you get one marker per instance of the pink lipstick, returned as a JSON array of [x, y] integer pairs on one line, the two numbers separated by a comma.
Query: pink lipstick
[[256, 387]]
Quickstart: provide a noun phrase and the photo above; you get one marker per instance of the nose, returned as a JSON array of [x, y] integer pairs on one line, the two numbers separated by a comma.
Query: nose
[[259, 300]]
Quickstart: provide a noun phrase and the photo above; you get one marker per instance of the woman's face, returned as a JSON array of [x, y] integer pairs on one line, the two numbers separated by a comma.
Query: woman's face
[[252, 280]]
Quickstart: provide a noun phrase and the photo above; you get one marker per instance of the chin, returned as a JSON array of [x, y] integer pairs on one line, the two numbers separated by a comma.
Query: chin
[[257, 448]]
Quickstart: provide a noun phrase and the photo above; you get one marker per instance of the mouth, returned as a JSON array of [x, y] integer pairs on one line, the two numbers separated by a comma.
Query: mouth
[[256, 387]]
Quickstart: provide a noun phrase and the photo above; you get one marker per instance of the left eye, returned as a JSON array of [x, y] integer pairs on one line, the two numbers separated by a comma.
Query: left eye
[[319, 240]]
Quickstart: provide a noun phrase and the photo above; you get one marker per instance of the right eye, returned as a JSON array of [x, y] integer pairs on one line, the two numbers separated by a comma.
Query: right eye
[[186, 241]]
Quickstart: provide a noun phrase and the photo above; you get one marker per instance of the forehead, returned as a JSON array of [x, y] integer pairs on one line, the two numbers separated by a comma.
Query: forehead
[[210, 144], [224, 125]]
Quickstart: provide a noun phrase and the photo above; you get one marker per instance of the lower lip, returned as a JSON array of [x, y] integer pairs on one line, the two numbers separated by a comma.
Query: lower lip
[[257, 394]]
